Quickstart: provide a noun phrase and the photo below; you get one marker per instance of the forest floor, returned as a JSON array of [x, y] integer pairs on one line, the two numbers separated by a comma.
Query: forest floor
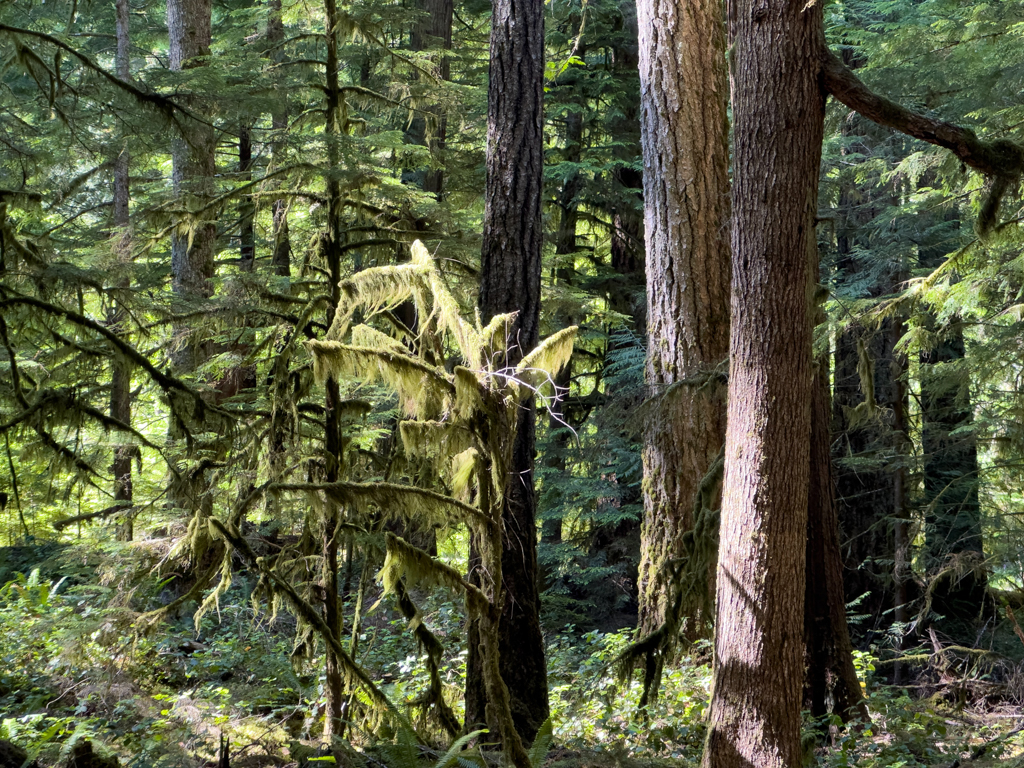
[[81, 664]]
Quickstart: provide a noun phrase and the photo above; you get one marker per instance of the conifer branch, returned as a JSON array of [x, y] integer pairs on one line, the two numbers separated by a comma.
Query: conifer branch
[[1001, 160]]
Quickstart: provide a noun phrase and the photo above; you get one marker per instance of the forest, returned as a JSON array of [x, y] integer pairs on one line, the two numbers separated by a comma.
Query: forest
[[462, 384]]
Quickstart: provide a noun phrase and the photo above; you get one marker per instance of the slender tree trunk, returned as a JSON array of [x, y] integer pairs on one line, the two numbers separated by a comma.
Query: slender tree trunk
[[192, 242], [247, 230], [510, 282], [433, 30], [952, 519], [864, 373], [188, 24], [778, 105], [332, 425], [627, 242], [121, 374], [830, 680], [683, 88], [282, 254]]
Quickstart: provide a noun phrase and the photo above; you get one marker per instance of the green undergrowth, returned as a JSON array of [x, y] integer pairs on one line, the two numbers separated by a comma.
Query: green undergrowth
[[75, 663]]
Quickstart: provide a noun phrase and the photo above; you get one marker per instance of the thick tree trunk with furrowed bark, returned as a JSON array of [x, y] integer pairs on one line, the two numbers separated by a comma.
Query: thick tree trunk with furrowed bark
[[778, 105], [686, 201], [510, 282]]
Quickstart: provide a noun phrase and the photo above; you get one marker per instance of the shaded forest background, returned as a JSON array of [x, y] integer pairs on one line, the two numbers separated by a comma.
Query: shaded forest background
[[231, 391]]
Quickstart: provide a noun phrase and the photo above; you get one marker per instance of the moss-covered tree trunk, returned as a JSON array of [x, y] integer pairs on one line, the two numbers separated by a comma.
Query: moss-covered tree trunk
[[510, 282], [683, 88], [335, 684], [778, 105]]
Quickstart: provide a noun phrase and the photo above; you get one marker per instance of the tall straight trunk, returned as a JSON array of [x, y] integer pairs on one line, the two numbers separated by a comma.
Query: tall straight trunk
[[247, 229], [565, 247], [192, 243], [778, 105], [627, 241], [830, 680], [684, 129], [332, 424], [433, 30], [121, 374], [866, 490], [282, 253], [193, 155], [510, 282]]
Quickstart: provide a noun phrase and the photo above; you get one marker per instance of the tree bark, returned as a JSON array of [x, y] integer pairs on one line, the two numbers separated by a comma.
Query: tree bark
[[434, 29], [188, 25], [510, 282], [335, 684], [684, 133], [282, 253], [121, 373], [830, 679], [778, 104]]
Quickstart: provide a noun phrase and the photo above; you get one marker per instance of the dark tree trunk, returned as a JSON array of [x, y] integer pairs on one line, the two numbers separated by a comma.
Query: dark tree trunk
[[865, 441], [282, 254], [433, 30], [830, 680], [121, 373], [565, 247], [627, 242], [510, 282], [778, 105], [335, 684], [686, 157], [193, 154], [247, 230]]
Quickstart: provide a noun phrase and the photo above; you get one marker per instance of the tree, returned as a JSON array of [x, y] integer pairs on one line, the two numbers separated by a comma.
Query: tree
[[121, 375], [510, 273], [755, 709], [686, 203], [780, 49]]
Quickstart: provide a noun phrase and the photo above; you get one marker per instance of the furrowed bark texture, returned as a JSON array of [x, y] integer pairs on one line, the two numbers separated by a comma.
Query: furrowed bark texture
[[510, 281], [778, 108], [684, 132]]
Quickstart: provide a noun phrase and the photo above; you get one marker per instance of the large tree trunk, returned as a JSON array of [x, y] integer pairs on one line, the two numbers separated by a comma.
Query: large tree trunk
[[188, 25], [121, 374], [686, 157], [778, 105], [510, 282]]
